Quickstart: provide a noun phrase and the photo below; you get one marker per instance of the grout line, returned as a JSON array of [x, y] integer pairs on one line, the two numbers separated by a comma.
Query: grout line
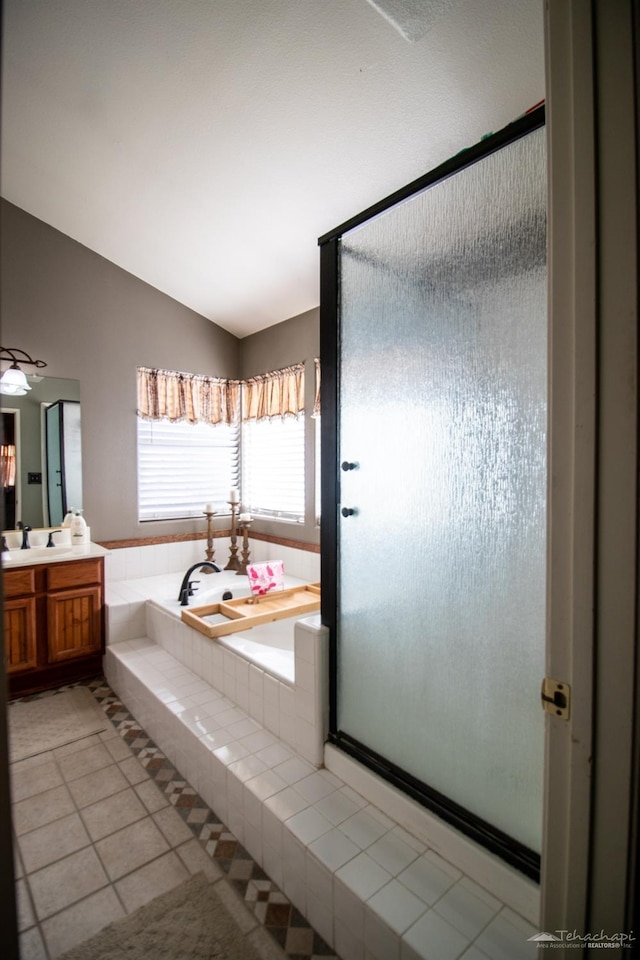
[[79, 814], [93, 843], [78, 810], [235, 853]]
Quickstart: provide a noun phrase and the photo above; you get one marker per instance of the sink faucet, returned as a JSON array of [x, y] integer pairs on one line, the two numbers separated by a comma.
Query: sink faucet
[[186, 589], [26, 530]]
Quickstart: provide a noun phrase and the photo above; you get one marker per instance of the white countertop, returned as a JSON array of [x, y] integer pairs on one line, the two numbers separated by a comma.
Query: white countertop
[[58, 554]]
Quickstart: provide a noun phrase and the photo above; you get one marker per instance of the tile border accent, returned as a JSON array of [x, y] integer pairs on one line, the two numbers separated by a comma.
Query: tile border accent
[[271, 907], [217, 534], [165, 538]]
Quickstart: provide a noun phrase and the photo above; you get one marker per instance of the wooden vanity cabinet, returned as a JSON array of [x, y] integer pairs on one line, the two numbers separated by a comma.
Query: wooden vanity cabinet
[[53, 623], [74, 609], [20, 620]]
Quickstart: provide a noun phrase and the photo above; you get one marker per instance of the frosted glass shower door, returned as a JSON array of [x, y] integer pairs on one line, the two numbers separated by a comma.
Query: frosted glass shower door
[[442, 437]]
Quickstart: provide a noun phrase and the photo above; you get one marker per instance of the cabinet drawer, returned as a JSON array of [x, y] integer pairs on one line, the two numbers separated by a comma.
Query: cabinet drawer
[[75, 573], [19, 582]]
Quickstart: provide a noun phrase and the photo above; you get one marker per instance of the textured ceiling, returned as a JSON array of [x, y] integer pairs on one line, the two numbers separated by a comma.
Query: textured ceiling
[[204, 145]]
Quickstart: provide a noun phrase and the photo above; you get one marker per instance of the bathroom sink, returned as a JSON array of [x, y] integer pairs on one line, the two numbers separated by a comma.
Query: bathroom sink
[[44, 553]]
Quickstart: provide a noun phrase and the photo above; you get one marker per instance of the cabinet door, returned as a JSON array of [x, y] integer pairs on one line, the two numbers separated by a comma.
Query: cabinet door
[[20, 634], [74, 623]]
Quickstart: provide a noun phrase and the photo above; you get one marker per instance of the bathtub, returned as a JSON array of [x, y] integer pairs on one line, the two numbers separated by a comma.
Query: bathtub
[[269, 646], [276, 672]]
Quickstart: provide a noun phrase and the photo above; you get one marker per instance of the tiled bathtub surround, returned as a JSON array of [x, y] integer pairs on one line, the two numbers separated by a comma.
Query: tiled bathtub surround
[[371, 888], [179, 666], [296, 712], [131, 563], [368, 887], [136, 574]]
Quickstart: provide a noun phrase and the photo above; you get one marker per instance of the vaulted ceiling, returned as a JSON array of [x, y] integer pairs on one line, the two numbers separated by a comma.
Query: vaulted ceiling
[[204, 145]]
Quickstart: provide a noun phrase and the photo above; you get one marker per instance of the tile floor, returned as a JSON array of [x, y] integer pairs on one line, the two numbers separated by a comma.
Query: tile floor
[[106, 824]]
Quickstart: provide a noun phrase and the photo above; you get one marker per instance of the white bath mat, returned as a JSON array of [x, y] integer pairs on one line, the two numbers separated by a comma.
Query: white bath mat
[[190, 922], [36, 726]]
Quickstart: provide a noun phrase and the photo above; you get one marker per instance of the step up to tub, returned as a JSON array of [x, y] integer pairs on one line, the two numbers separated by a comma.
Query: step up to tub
[[226, 617], [362, 881]]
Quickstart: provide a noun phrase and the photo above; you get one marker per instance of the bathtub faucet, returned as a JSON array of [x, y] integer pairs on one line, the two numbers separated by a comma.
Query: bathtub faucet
[[26, 530], [186, 590]]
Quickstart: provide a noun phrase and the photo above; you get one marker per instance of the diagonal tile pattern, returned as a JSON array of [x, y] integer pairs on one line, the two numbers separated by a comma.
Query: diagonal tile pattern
[[114, 810], [107, 824]]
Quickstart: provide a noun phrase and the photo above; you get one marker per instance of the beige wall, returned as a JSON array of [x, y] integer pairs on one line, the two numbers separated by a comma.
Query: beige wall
[[291, 341], [92, 321]]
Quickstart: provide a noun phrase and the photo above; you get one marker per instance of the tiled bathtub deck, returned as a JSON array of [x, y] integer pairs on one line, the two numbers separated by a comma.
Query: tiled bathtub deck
[[369, 888], [242, 742]]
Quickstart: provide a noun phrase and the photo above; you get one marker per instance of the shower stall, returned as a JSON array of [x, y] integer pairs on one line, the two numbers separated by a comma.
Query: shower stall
[[434, 439]]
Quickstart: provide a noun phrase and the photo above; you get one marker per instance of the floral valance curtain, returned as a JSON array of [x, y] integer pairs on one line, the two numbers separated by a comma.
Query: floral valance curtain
[[276, 394], [8, 464], [168, 395], [316, 402]]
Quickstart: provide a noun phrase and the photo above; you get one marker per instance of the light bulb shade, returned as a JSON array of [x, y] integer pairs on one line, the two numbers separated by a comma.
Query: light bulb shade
[[10, 391], [14, 378]]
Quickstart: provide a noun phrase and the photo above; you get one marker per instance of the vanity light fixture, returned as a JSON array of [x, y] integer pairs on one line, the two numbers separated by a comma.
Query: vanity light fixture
[[13, 381]]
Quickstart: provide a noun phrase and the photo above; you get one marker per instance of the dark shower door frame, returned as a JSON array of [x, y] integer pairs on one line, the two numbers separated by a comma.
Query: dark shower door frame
[[498, 842]]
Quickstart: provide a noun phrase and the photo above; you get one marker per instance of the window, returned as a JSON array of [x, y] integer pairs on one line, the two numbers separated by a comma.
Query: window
[[273, 467], [182, 466], [273, 444], [187, 443], [189, 437]]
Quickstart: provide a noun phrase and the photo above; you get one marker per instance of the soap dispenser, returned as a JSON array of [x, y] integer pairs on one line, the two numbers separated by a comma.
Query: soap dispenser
[[68, 517], [78, 529]]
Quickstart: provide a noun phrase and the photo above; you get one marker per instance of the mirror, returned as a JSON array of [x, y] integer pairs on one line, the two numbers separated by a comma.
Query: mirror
[[42, 426]]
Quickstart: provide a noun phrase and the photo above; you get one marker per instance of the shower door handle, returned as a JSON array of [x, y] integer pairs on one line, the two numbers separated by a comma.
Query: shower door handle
[[349, 465]]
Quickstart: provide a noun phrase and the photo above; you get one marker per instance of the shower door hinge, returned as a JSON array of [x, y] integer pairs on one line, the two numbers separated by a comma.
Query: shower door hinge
[[556, 698]]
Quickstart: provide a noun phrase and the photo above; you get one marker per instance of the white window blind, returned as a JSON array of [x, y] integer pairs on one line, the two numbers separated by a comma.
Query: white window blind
[[183, 466], [273, 467]]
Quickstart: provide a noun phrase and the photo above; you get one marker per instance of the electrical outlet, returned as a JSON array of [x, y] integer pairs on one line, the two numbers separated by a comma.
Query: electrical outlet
[[34, 478]]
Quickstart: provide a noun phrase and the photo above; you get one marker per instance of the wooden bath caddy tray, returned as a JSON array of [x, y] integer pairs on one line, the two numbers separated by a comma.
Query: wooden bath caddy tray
[[247, 612]]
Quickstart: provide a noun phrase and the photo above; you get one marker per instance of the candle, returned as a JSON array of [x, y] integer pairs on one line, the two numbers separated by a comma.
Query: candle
[[208, 508], [245, 517], [234, 495]]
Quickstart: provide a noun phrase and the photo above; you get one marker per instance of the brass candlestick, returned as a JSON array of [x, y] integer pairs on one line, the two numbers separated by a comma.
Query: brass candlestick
[[209, 514], [234, 563], [244, 526]]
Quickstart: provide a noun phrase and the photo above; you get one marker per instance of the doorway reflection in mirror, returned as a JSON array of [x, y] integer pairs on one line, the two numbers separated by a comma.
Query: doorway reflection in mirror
[[35, 497]]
